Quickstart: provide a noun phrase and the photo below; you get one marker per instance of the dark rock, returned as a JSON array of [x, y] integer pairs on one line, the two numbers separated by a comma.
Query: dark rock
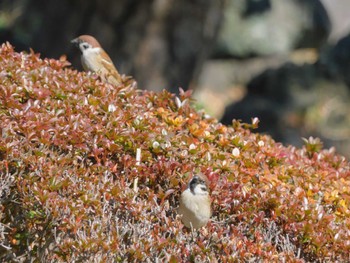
[[297, 101], [337, 60], [251, 106]]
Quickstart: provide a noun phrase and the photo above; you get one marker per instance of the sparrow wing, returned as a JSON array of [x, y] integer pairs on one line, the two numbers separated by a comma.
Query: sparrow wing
[[110, 73]]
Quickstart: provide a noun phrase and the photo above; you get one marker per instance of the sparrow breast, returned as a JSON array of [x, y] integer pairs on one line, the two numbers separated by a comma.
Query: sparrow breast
[[195, 204]]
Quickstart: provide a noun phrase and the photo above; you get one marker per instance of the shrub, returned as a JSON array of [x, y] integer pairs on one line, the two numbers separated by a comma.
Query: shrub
[[91, 172]]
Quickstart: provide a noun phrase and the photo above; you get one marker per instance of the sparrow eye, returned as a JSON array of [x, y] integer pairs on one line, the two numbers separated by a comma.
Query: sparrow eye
[[85, 46]]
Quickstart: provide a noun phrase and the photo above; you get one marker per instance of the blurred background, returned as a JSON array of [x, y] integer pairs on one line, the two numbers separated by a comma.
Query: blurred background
[[286, 62]]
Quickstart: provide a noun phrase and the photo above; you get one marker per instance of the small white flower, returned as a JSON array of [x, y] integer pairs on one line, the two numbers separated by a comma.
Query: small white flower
[[112, 108], [155, 144], [261, 143], [192, 146], [167, 144], [336, 236], [164, 132], [235, 152], [255, 121]]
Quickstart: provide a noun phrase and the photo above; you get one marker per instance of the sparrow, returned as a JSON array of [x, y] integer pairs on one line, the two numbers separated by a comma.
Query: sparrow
[[95, 59], [195, 204]]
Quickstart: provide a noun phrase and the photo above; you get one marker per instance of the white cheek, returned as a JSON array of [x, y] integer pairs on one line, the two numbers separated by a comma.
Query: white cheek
[[91, 51]]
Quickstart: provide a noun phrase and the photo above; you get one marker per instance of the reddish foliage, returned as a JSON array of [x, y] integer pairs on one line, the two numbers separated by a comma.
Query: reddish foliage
[[73, 190]]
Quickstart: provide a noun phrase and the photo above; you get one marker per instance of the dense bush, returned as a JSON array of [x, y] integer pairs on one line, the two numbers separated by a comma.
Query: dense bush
[[91, 172]]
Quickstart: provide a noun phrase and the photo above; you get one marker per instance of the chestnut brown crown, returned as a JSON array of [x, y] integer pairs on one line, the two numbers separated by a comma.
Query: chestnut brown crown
[[87, 39]]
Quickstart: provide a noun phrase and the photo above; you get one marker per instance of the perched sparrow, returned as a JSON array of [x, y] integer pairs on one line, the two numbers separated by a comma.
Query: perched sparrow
[[95, 59], [195, 204]]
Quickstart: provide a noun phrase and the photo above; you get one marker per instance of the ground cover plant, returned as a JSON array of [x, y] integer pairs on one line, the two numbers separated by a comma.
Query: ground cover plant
[[91, 172]]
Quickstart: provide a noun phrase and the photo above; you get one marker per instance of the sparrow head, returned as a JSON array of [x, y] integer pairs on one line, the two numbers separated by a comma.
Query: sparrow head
[[85, 42], [198, 186]]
